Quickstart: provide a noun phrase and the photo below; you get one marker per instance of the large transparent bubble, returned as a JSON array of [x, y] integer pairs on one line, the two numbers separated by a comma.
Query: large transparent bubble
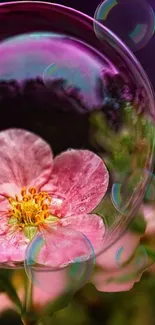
[[60, 82], [132, 20]]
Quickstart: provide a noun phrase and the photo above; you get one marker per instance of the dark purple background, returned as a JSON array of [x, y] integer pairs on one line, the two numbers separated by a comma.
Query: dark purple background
[[146, 56]]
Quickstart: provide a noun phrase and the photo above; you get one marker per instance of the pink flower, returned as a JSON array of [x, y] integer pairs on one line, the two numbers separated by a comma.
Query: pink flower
[[111, 262], [52, 196]]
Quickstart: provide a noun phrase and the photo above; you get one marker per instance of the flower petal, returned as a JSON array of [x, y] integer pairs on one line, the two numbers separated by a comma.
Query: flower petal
[[81, 177], [61, 247], [108, 282], [119, 252], [149, 215], [5, 303], [4, 226], [25, 159], [123, 278], [90, 225], [12, 247], [48, 285]]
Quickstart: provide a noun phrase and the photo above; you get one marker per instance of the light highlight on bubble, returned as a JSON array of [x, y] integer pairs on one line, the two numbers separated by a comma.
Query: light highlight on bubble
[[139, 260], [118, 256], [72, 76], [131, 20], [105, 8], [48, 72], [116, 194]]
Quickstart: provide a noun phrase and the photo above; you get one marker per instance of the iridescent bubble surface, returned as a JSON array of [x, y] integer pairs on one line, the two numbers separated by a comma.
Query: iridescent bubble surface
[[131, 20]]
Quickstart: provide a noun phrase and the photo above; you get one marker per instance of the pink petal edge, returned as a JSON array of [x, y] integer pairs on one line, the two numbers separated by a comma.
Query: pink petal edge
[[81, 177], [91, 225], [119, 252], [101, 282], [64, 245], [25, 160]]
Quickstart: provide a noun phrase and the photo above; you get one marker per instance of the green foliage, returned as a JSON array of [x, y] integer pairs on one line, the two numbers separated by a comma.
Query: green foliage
[[107, 211], [138, 225], [132, 144], [58, 304]]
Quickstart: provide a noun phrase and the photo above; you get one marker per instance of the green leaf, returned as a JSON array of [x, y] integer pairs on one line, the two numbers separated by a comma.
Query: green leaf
[[30, 232], [138, 225], [107, 211]]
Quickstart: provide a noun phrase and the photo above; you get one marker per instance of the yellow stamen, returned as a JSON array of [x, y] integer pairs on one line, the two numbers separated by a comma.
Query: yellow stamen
[[32, 209], [23, 191], [32, 190], [44, 207]]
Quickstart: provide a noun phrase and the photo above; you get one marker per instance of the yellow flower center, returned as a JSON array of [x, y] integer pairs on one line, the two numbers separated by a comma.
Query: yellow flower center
[[32, 209]]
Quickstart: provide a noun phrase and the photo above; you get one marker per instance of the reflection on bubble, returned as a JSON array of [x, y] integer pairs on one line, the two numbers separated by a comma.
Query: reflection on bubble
[[59, 257], [48, 72], [116, 194], [122, 193], [72, 76], [140, 259], [132, 20], [118, 256]]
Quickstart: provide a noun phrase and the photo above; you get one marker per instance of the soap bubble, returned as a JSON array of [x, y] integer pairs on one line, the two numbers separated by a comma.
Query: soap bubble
[[96, 97], [132, 20], [58, 257]]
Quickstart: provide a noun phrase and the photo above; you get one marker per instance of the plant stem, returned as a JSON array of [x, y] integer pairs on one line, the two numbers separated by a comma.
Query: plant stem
[[28, 297], [28, 316]]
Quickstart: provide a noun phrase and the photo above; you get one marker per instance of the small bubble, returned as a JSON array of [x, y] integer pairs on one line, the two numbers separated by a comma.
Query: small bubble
[[132, 20], [59, 255]]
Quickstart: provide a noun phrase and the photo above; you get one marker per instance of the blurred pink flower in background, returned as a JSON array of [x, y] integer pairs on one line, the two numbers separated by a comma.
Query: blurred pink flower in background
[[111, 269], [121, 275], [40, 299]]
